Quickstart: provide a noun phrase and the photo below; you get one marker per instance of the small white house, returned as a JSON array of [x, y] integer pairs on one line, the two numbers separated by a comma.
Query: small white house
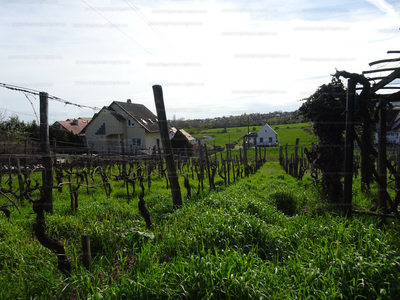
[[392, 126], [266, 136]]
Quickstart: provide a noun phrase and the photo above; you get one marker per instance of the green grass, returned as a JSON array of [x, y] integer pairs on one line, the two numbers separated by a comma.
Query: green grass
[[268, 236], [287, 134]]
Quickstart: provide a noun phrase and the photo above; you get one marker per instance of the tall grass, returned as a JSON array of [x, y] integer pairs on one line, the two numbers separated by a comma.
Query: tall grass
[[266, 237]]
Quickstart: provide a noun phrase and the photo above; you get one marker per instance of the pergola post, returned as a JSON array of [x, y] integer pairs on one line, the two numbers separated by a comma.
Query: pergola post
[[349, 148]]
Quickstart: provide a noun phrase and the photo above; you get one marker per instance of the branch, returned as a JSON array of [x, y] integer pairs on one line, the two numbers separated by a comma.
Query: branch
[[10, 201]]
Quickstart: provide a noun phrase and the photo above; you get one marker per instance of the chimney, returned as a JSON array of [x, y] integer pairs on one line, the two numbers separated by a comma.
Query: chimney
[[75, 122], [128, 101]]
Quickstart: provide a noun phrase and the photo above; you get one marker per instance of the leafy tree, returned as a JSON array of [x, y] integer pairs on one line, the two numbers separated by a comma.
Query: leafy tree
[[13, 129], [326, 109], [33, 130]]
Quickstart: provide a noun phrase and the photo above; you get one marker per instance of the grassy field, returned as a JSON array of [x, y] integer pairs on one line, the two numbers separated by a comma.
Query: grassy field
[[268, 236], [287, 134]]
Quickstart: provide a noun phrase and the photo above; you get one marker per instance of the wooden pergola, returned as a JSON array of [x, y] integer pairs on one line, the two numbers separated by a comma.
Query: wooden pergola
[[370, 86]]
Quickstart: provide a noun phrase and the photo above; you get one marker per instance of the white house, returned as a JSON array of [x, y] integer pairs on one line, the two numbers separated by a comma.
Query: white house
[[392, 126], [266, 136]]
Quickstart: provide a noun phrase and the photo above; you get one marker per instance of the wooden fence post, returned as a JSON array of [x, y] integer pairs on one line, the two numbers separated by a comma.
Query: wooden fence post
[[208, 169], [87, 255], [296, 160], [47, 175], [20, 183], [201, 165], [169, 157], [286, 159], [256, 157]]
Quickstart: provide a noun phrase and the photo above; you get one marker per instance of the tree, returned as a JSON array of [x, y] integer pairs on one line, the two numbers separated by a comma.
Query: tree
[[12, 133], [326, 109], [13, 128]]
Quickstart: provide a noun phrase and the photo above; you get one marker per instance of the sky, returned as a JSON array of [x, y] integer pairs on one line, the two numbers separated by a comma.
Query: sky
[[213, 58]]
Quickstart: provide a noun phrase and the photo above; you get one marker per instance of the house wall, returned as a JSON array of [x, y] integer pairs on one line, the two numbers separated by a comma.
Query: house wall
[[266, 136], [151, 139], [118, 134], [391, 137], [101, 142]]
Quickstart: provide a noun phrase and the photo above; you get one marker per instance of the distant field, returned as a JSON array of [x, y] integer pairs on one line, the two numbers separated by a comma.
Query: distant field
[[222, 138], [287, 133]]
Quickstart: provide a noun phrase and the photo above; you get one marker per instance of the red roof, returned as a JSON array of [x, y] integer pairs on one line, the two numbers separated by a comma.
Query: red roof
[[74, 125]]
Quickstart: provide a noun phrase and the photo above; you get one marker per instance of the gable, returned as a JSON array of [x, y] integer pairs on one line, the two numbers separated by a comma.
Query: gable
[[101, 120], [266, 129], [139, 113]]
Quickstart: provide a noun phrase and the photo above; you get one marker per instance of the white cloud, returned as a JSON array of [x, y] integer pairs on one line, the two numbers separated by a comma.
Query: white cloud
[[385, 7], [212, 58]]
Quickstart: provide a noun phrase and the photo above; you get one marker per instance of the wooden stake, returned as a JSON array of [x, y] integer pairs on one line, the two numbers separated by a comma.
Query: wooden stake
[[169, 157], [47, 175], [87, 255]]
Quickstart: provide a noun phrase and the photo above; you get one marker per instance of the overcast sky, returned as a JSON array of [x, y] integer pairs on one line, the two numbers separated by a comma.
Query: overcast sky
[[212, 58]]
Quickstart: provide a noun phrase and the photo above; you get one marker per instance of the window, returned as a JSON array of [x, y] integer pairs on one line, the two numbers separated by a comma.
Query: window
[[270, 140], [130, 123], [136, 142], [261, 140]]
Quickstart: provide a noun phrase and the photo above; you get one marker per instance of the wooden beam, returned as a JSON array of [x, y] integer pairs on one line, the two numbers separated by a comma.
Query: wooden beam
[[169, 156], [384, 88], [384, 61], [381, 84], [379, 70]]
